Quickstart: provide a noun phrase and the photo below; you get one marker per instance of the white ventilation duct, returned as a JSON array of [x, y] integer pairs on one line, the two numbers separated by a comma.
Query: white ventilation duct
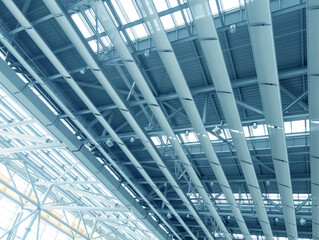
[[66, 24], [129, 62], [313, 86], [214, 57], [174, 71], [47, 51], [261, 35]]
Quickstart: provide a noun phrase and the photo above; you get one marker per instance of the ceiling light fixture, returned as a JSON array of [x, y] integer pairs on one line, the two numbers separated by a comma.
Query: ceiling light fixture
[[109, 143], [217, 130], [232, 28]]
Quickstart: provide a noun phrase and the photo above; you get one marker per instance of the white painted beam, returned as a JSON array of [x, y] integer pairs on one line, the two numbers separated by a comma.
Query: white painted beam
[[209, 41], [262, 39]]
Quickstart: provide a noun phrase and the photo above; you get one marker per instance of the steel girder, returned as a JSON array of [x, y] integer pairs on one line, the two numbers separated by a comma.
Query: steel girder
[[141, 83], [214, 57], [53, 93], [68, 78], [313, 86], [177, 78], [66, 24], [261, 35], [25, 96]]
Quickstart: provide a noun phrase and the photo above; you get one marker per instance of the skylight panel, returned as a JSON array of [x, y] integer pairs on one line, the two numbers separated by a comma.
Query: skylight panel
[[92, 18], [81, 26], [178, 18], [167, 22], [229, 4], [118, 11], [287, 127], [307, 125], [94, 47], [172, 3], [160, 5], [213, 7], [187, 15], [156, 141], [212, 137], [259, 131], [165, 140], [298, 126], [106, 41], [130, 10], [140, 31], [246, 131], [192, 137]]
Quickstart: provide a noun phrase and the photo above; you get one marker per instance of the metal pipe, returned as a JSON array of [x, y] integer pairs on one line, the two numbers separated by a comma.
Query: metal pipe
[[95, 66], [177, 78], [261, 35], [214, 57], [53, 93], [137, 76]]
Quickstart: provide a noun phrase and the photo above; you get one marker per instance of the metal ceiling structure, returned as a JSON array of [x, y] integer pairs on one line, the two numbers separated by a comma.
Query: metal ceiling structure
[[158, 119]]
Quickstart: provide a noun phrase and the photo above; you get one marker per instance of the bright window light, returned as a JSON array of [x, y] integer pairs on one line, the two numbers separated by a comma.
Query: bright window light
[[298, 126], [307, 125], [246, 131], [212, 137], [192, 137], [130, 34], [118, 11], [178, 18], [81, 26], [140, 31], [160, 5], [130, 10], [93, 45], [287, 127], [188, 15], [172, 3], [230, 4], [106, 41], [213, 7], [259, 131], [91, 16], [156, 141], [167, 22]]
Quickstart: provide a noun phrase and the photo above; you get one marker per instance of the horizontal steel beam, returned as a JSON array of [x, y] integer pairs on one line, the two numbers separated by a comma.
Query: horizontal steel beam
[[234, 179], [205, 89], [31, 148]]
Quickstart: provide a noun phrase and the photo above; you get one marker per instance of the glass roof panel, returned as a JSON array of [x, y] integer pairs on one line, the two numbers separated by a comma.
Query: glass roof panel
[[81, 26], [229, 4], [130, 10], [213, 7], [167, 22], [160, 5], [298, 126], [178, 18], [140, 31], [118, 11], [69, 179]]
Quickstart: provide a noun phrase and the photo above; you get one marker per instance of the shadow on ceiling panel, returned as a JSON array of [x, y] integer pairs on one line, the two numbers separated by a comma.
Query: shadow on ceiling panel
[[288, 51], [243, 61]]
